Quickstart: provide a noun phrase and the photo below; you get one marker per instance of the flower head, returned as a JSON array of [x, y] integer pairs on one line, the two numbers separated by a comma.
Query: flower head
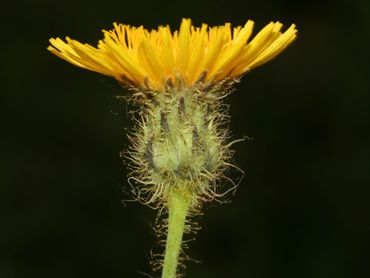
[[180, 147], [138, 57]]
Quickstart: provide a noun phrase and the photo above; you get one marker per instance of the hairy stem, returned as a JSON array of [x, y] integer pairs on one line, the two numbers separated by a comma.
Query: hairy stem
[[178, 205]]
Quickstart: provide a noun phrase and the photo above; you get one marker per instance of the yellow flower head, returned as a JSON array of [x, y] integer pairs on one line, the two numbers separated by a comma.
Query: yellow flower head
[[180, 147], [138, 57]]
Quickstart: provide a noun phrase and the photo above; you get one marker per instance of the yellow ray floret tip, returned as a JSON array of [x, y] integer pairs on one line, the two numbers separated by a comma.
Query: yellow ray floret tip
[[138, 57]]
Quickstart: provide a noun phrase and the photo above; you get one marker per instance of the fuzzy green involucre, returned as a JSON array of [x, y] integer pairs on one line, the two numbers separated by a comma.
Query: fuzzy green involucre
[[180, 143]]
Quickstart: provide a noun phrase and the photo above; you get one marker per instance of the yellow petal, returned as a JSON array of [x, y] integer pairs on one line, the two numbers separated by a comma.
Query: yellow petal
[[140, 57]]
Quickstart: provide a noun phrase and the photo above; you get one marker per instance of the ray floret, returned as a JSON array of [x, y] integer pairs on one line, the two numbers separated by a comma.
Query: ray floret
[[136, 56]]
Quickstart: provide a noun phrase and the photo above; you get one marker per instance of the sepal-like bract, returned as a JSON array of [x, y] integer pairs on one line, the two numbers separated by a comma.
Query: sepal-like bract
[[179, 141]]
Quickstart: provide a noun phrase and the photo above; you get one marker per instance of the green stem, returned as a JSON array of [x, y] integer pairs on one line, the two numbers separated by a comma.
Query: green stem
[[178, 205]]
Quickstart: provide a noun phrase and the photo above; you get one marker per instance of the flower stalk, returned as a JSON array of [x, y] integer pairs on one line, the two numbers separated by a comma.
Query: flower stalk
[[178, 205]]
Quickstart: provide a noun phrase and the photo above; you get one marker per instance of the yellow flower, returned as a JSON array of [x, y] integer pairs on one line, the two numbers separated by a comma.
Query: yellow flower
[[142, 58], [180, 148]]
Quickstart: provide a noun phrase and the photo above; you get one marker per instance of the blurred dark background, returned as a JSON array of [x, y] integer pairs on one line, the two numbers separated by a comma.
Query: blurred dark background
[[302, 209]]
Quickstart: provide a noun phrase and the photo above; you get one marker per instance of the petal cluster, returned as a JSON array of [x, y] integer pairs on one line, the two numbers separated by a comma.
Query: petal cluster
[[138, 57]]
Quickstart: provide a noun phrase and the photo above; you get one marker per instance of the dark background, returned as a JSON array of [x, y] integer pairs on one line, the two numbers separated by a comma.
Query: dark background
[[302, 209]]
